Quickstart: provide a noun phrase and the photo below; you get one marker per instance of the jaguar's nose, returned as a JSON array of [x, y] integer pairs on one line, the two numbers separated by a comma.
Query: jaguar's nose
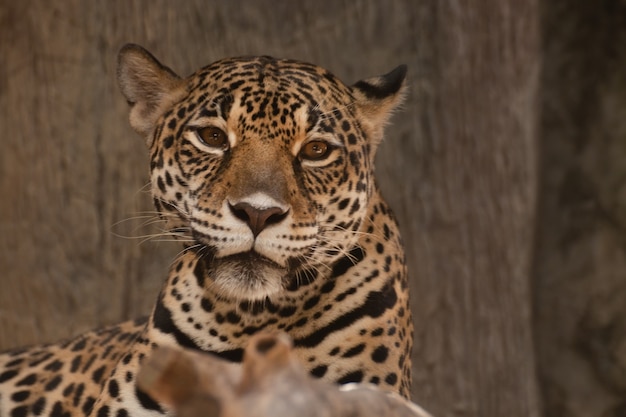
[[258, 218]]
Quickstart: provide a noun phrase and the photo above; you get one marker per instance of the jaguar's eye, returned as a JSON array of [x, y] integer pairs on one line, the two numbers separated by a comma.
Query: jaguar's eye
[[315, 150], [213, 137]]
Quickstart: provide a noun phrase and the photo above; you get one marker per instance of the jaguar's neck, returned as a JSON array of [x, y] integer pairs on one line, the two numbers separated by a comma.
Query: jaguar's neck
[[188, 313]]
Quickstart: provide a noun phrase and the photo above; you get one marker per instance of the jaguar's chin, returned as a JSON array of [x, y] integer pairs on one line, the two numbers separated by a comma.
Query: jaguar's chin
[[246, 276]]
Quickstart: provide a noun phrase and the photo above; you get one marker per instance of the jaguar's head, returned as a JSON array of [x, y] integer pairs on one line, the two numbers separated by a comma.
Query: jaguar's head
[[266, 164]]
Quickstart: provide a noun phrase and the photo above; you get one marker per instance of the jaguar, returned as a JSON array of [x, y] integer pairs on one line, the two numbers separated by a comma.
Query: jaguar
[[263, 168]]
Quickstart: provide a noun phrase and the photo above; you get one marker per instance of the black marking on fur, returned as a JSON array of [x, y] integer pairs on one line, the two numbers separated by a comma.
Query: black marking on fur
[[375, 305], [328, 287], [377, 332], [103, 411], [6, 375], [88, 405], [21, 411], [57, 410], [319, 371], [356, 376], [340, 267], [226, 104], [96, 376], [14, 362], [90, 361], [114, 389], [20, 396], [311, 302], [54, 382], [206, 305], [234, 355], [80, 345], [387, 84], [301, 278], [40, 360], [39, 405], [146, 401], [287, 311], [162, 319], [354, 350], [54, 366], [208, 113], [198, 272], [28, 380], [379, 355], [78, 394], [313, 117], [391, 378]]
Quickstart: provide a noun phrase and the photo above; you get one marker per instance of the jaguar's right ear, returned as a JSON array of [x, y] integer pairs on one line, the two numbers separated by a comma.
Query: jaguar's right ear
[[149, 87]]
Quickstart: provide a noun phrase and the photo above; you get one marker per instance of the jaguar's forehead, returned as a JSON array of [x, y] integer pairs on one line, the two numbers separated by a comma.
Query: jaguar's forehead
[[271, 84], [265, 98]]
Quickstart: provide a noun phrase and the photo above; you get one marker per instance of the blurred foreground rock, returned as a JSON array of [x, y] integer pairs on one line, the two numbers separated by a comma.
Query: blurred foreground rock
[[269, 383]]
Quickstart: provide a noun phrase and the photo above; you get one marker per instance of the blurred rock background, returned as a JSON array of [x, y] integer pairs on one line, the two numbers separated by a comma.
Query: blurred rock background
[[506, 169]]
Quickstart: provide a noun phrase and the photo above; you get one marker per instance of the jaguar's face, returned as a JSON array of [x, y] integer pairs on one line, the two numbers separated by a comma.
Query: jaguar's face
[[268, 171], [267, 165]]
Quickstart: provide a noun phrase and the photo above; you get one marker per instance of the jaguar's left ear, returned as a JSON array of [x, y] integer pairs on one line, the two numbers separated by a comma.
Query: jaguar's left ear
[[378, 97], [149, 87]]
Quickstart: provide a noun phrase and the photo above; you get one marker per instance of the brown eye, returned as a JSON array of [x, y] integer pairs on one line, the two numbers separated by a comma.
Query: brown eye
[[213, 137], [315, 150]]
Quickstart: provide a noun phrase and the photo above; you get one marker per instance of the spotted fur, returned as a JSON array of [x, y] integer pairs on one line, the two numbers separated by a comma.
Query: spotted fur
[[264, 169]]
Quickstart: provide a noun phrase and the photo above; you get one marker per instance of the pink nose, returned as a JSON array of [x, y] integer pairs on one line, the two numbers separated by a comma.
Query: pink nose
[[256, 218]]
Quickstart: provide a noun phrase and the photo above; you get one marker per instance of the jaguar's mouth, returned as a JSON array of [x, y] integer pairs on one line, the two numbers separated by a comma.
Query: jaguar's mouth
[[250, 260], [246, 275]]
